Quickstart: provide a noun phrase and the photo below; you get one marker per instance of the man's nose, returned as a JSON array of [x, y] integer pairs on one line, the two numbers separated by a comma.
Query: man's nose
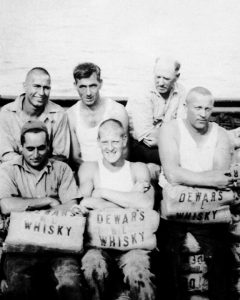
[[41, 91], [160, 81], [203, 113], [110, 146], [88, 91], [35, 153]]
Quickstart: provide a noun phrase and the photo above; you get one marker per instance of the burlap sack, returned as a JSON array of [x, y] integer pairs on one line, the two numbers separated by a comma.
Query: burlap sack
[[197, 205], [123, 229], [40, 231]]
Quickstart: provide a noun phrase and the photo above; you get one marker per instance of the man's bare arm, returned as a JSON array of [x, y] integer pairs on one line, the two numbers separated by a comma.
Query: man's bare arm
[[175, 174], [138, 197], [86, 177], [10, 204]]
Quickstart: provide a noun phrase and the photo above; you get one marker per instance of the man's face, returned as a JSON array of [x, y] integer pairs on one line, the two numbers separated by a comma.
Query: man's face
[[112, 143], [164, 77], [199, 110], [88, 89], [35, 149], [37, 88]]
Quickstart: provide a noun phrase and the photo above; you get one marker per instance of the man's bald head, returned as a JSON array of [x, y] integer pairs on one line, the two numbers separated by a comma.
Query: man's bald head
[[36, 70], [167, 62], [37, 88], [111, 124], [194, 92]]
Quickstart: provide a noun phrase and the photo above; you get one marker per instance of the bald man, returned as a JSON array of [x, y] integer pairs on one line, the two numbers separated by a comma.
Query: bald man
[[34, 104], [195, 153], [164, 101]]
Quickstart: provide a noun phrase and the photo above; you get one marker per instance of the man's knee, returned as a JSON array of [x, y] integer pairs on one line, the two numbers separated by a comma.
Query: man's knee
[[94, 265], [67, 272], [135, 265]]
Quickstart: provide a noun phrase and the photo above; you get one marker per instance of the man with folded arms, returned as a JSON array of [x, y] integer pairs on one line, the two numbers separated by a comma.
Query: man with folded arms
[[114, 182], [33, 181], [196, 181]]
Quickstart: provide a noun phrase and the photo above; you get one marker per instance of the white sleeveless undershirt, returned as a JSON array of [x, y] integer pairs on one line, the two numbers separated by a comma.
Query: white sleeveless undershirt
[[121, 180], [87, 136], [193, 157], [197, 158]]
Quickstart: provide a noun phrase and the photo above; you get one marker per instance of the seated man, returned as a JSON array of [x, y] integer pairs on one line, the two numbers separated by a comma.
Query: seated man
[[163, 102], [86, 115], [115, 182], [196, 153], [33, 181], [34, 104]]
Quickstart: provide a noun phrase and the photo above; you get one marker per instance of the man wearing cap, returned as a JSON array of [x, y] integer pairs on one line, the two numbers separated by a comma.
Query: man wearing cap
[[164, 101], [34, 104], [33, 181]]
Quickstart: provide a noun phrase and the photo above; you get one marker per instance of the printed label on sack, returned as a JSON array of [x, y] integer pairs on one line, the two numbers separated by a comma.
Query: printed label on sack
[[123, 229]]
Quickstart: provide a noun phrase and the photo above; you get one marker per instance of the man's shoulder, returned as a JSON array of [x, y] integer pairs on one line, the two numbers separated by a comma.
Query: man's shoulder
[[89, 166], [12, 106], [139, 168], [73, 108], [11, 165], [180, 88], [58, 164], [222, 132], [54, 108], [169, 126]]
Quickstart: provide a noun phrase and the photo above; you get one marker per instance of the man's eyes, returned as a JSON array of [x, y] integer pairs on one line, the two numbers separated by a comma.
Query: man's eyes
[[90, 86], [44, 87], [40, 148]]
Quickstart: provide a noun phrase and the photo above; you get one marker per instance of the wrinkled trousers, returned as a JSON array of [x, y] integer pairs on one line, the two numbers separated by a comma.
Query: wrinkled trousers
[[34, 277]]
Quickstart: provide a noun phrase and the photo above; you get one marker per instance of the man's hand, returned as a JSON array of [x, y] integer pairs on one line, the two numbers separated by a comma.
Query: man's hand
[[78, 209], [141, 187], [150, 141], [222, 180]]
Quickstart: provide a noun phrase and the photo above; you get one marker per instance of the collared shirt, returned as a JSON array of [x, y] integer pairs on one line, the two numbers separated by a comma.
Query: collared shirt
[[149, 112], [55, 180], [12, 118]]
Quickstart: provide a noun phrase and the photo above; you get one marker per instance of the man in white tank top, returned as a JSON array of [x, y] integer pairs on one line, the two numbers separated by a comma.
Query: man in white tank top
[[116, 182], [197, 153], [86, 115]]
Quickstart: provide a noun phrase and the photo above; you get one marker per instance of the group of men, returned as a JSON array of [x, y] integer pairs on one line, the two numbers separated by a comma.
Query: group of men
[[167, 127]]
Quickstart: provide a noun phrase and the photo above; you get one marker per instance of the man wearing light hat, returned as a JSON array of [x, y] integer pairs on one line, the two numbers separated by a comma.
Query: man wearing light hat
[[33, 181]]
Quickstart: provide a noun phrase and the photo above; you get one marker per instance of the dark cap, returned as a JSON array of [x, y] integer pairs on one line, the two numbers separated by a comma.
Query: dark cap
[[31, 125]]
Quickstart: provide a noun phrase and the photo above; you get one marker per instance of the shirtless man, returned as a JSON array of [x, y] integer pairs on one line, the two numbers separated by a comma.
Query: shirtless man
[[115, 182], [86, 115], [197, 153]]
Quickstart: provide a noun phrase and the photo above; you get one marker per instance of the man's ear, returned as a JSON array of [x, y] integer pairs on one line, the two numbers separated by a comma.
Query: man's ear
[[125, 140], [101, 82], [24, 85], [20, 149]]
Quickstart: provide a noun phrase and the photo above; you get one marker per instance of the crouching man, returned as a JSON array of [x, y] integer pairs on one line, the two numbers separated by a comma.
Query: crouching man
[[33, 181], [114, 182]]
